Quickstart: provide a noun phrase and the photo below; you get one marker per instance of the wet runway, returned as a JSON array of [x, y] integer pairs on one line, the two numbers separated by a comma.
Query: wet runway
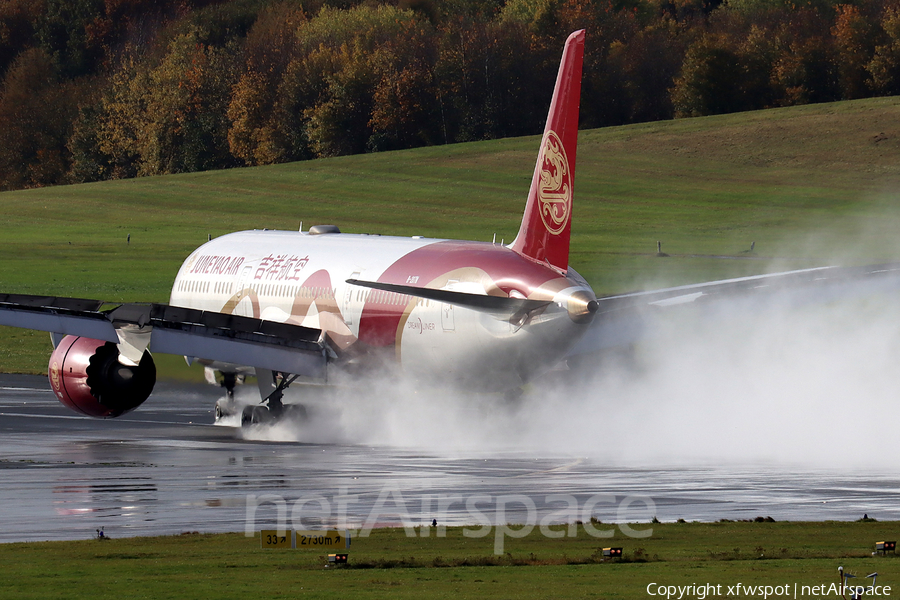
[[165, 469]]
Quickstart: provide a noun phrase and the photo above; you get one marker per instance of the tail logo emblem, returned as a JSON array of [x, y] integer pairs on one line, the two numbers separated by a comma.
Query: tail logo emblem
[[555, 188]]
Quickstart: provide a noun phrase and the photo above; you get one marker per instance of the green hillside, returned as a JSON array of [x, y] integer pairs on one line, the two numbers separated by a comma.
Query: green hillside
[[809, 185]]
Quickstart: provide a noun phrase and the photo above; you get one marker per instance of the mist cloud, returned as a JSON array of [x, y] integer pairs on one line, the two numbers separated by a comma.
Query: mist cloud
[[810, 382]]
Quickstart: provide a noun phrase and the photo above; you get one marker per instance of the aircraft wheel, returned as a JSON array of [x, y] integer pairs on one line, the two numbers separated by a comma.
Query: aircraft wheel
[[296, 412], [255, 415]]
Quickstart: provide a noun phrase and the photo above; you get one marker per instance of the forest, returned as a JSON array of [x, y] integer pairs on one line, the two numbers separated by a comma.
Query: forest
[[105, 89]]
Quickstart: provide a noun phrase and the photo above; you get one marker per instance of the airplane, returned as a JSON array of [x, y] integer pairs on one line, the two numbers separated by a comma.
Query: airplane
[[319, 303]]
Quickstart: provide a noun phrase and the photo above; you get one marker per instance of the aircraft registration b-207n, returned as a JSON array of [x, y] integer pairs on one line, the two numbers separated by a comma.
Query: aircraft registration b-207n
[[285, 304]]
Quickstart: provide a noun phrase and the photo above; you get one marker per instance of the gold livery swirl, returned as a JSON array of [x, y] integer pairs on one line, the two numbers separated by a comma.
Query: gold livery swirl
[[555, 186]]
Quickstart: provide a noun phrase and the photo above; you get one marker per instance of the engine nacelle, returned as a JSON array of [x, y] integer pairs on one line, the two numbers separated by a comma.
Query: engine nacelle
[[86, 376]]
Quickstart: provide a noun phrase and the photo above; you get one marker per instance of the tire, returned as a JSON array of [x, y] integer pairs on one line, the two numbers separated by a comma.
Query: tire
[[247, 416], [261, 415]]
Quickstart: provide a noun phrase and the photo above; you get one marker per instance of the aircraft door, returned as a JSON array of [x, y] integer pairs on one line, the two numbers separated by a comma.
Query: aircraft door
[[244, 307], [348, 300], [447, 309]]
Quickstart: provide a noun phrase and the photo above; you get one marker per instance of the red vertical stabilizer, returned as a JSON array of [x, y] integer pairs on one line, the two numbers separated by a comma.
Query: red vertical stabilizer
[[544, 234]]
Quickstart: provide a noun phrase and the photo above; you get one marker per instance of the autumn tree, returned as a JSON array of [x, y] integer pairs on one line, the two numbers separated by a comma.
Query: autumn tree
[[710, 80], [759, 51], [18, 20], [337, 75], [64, 32], [171, 117], [88, 161], [854, 40], [404, 113], [884, 68], [648, 63], [462, 56], [36, 112], [260, 131], [807, 73]]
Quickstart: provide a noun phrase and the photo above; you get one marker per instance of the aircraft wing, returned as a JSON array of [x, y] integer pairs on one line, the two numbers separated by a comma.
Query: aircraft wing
[[625, 319], [173, 330]]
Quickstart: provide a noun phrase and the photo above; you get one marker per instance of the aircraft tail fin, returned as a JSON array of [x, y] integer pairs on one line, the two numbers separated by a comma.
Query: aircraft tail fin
[[544, 233]]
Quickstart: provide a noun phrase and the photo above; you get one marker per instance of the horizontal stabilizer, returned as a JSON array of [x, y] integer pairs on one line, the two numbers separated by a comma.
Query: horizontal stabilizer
[[495, 305]]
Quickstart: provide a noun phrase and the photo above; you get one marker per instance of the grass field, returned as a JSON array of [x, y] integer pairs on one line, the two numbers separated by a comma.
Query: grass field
[[810, 185], [388, 564]]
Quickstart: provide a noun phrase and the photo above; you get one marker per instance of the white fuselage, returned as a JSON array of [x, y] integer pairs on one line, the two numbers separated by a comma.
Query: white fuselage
[[299, 278]]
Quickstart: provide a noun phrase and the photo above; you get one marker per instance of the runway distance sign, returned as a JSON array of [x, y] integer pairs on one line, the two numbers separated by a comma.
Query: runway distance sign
[[272, 538], [322, 539]]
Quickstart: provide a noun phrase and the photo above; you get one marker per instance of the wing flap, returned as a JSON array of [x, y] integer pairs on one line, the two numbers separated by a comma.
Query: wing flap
[[197, 341], [176, 330], [66, 316]]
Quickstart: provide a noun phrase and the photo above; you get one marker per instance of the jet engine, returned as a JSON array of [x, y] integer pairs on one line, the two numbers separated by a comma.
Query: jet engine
[[88, 377]]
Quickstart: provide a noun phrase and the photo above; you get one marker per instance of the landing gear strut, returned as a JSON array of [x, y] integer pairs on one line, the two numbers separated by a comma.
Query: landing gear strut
[[225, 406], [229, 380], [255, 415]]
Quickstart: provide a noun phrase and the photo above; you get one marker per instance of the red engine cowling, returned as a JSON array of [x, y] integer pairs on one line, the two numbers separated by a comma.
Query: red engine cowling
[[86, 376]]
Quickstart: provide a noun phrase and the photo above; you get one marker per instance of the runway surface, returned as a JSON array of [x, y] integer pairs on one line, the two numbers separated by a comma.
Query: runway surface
[[165, 469]]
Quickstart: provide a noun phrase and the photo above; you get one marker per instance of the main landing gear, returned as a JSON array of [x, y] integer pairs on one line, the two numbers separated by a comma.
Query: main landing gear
[[275, 410]]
